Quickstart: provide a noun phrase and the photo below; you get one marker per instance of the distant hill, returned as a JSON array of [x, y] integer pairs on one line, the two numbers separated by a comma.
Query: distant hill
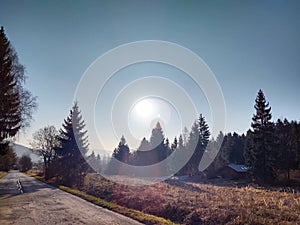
[[22, 150]]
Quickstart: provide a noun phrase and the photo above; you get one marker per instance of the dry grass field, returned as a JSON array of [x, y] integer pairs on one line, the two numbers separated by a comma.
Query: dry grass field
[[199, 203]]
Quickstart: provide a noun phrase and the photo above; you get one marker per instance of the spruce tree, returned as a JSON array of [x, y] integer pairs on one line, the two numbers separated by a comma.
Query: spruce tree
[[73, 147], [16, 103], [122, 153], [10, 115], [197, 143], [261, 158], [153, 151], [158, 150]]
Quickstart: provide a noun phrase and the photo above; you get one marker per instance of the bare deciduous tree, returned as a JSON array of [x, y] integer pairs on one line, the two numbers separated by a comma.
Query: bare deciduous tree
[[44, 142]]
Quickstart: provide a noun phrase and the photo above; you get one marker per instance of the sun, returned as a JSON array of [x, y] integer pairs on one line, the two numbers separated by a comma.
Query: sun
[[143, 108]]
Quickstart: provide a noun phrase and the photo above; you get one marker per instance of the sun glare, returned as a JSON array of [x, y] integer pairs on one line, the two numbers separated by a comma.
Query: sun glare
[[143, 108]]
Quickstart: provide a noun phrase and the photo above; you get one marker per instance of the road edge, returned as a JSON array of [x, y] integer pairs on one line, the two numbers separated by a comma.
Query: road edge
[[139, 216]]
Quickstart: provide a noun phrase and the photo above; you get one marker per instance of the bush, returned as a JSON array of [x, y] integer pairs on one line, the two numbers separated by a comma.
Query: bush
[[25, 163]]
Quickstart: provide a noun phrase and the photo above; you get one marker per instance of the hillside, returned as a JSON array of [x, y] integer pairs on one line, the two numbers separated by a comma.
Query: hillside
[[22, 150]]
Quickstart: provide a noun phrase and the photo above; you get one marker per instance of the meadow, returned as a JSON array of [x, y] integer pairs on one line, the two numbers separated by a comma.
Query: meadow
[[215, 202]]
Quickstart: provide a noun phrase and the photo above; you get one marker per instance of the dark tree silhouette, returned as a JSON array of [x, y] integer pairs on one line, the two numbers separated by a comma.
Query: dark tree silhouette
[[73, 148], [17, 103], [8, 157], [122, 153], [286, 146], [197, 143], [233, 148], [154, 151], [25, 163], [261, 155]]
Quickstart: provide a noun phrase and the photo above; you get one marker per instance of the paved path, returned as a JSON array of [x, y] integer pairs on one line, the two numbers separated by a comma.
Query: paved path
[[44, 204]]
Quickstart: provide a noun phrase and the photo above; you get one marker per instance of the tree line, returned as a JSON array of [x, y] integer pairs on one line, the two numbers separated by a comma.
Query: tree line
[[158, 148], [269, 149]]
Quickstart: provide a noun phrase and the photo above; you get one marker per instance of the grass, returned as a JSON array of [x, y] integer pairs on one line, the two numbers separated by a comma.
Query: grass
[[199, 203], [135, 214], [2, 174]]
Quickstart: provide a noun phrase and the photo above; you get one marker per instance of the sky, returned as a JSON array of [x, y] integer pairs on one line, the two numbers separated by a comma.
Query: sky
[[248, 45]]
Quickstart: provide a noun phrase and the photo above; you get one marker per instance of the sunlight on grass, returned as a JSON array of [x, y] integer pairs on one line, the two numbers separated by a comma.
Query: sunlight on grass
[[3, 174]]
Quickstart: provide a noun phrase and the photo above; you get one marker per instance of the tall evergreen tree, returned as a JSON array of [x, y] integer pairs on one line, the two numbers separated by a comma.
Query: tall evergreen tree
[[10, 116], [73, 148], [180, 142], [16, 103], [197, 143], [153, 151], [122, 153], [262, 157], [174, 144]]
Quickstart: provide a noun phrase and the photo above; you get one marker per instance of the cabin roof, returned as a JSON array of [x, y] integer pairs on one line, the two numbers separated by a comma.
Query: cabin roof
[[238, 168]]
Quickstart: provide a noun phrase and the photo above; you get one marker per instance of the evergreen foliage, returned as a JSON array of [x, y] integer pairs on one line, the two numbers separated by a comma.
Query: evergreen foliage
[[73, 146], [16, 103], [198, 140], [262, 155], [8, 157]]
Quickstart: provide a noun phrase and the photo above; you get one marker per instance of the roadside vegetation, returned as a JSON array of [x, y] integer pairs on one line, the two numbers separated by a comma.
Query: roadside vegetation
[[225, 202], [2, 174]]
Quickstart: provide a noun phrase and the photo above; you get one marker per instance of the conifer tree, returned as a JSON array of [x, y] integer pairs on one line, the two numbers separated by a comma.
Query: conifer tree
[[175, 144], [10, 115], [73, 147], [197, 143], [153, 151], [16, 103], [286, 146], [122, 153], [261, 156]]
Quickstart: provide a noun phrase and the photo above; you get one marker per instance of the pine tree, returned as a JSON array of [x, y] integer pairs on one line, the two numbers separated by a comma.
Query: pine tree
[[122, 153], [198, 141], [180, 142], [73, 147], [10, 115], [16, 103], [157, 137], [175, 144], [261, 158], [153, 151]]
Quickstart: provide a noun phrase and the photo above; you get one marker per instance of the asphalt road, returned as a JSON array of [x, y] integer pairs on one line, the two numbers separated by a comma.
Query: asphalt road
[[44, 204]]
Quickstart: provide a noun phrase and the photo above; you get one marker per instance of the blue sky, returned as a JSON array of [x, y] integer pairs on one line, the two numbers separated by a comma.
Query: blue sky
[[247, 44]]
